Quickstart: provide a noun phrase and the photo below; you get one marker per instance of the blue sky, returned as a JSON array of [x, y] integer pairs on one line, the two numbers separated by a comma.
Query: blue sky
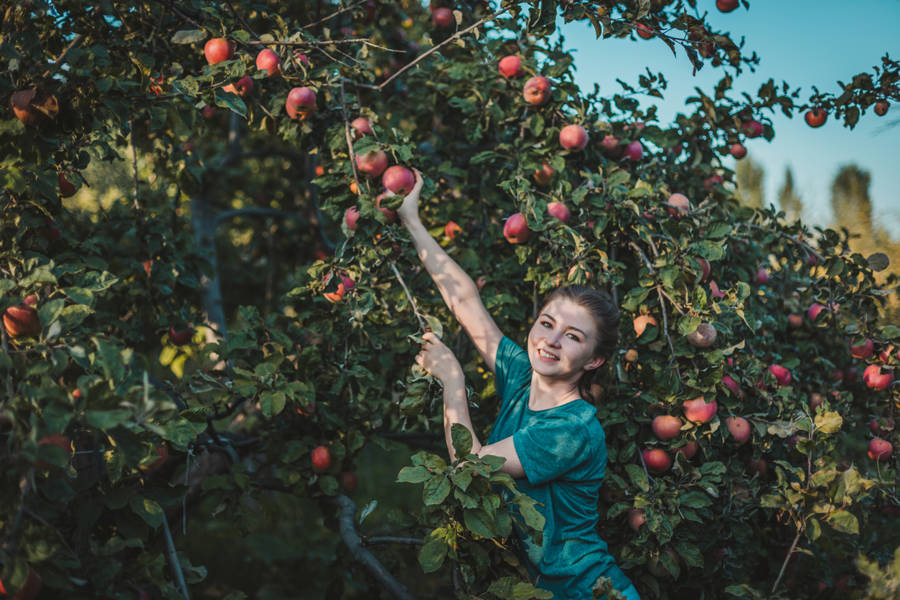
[[804, 43]]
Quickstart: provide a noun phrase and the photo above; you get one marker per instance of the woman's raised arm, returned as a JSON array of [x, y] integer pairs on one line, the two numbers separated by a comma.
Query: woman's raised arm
[[457, 288]]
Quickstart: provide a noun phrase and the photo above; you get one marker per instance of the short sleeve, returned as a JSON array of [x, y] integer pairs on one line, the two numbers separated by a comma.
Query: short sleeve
[[512, 368], [551, 447]]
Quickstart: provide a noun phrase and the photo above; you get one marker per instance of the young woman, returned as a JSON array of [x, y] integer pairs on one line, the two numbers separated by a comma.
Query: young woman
[[549, 435]]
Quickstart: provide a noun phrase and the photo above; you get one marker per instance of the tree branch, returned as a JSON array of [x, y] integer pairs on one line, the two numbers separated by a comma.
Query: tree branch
[[353, 542], [786, 560], [334, 14], [409, 296], [173, 559], [450, 39]]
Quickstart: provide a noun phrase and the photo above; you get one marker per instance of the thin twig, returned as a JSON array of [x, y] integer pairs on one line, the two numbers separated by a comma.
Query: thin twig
[[409, 296], [347, 137], [673, 360], [354, 544], [786, 560], [173, 558], [643, 257], [56, 63], [450, 39], [134, 168], [5, 345], [334, 14]]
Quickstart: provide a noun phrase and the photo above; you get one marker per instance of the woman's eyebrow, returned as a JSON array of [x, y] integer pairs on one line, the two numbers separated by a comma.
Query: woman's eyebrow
[[549, 316]]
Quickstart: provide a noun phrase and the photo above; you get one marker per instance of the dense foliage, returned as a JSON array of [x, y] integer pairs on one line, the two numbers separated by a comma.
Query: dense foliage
[[200, 347]]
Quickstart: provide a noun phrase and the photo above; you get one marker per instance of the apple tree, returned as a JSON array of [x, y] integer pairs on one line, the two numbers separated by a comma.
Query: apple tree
[[210, 310]]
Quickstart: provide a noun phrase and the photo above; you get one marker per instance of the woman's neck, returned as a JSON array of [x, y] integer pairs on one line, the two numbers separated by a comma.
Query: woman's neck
[[550, 393]]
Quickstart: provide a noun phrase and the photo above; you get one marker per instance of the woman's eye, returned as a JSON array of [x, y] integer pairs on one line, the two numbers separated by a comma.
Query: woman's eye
[[573, 337], [545, 324]]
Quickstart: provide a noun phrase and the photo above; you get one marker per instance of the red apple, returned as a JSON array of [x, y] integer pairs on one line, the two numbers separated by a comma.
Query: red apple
[[217, 50], [678, 204], [640, 324], [634, 151], [666, 427], [351, 216], [180, 337], [372, 163], [321, 459], [816, 117], [726, 6], [361, 126], [269, 62], [451, 229], [609, 144], [537, 91], [699, 410], [543, 175], [347, 282], [335, 296], [882, 426], [732, 386], [631, 355], [29, 590], [442, 17], [657, 460], [300, 103], [389, 215], [758, 466], [515, 230], [399, 180], [301, 58], [881, 108], [162, 451], [20, 102], [208, 111], [875, 379], [689, 449], [57, 439], [814, 311], [349, 481], [636, 518], [752, 128], [880, 450], [66, 188], [573, 137], [795, 320], [864, 350], [243, 87], [738, 151], [559, 210], [714, 179], [762, 276], [714, 291], [739, 428], [22, 320], [702, 337], [782, 375], [510, 66], [644, 31]]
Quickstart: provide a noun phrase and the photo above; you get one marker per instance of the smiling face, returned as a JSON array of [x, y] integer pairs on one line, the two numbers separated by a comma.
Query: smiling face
[[562, 341]]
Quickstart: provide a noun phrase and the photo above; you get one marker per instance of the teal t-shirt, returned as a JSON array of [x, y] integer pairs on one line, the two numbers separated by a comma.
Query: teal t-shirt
[[563, 454]]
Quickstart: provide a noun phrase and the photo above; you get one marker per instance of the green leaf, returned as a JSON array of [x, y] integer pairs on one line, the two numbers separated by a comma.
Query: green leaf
[[149, 510], [413, 475], [637, 476], [432, 553], [844, 521], [272, 403], [462, 440], [478, 522], [436, 490], [688, 324], [188, 36], [829, 422], [107, 419], [232, 102], [462, 477]]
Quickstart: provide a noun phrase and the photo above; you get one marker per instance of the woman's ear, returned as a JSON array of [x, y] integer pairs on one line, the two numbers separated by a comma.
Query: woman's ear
[[595, 364]]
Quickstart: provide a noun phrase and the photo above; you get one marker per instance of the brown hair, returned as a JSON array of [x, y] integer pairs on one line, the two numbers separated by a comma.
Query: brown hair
[[606, 318]]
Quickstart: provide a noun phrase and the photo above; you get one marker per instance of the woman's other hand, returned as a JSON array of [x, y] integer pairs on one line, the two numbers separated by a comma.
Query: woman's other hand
[[438, 359], [409, 209]]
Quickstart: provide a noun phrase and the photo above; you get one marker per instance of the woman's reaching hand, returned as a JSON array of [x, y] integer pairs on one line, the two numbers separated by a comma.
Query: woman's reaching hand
[[409, 209], [438, 359]]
